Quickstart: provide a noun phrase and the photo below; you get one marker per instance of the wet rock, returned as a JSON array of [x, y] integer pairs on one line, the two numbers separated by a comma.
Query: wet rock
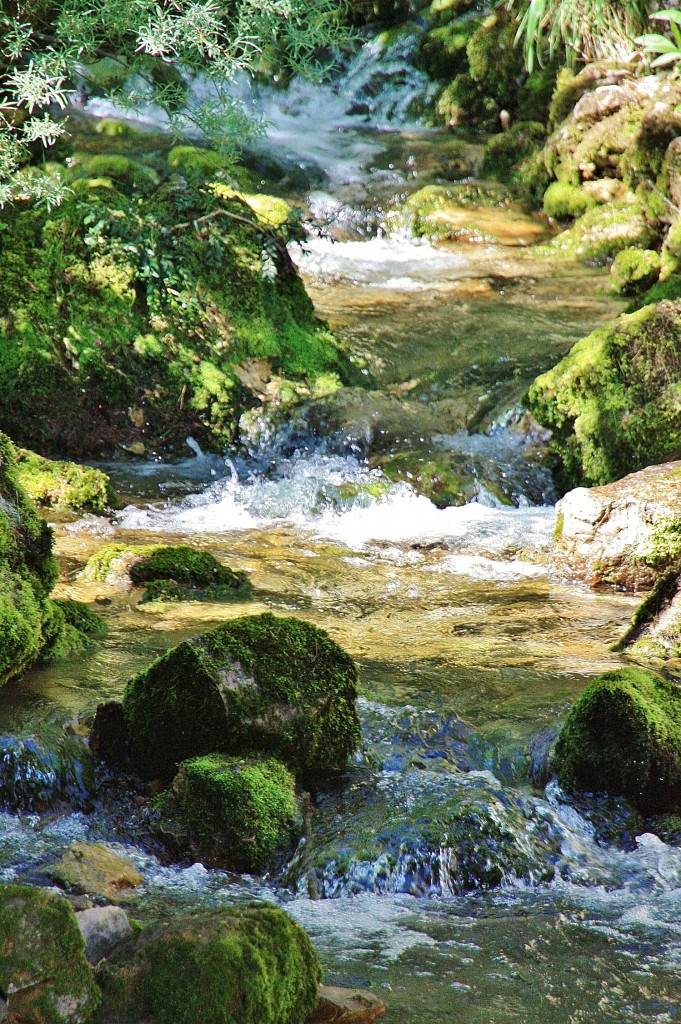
[[261, 683], [601, 102], [44, 975], [623, 737], [104, 929], [346, 1006], [109, 734], [96, 870], [227, 966], [655, 630], [235, 813], [624, 534], [612, 403], [34, 778]]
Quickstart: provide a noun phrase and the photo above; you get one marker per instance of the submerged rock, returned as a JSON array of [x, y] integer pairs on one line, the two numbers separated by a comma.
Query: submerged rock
[[230, 812], [612, 403], [44, 975], [624, 534], [168, 573], [623, 737], [249, 965], [95, 870], [258, 684]]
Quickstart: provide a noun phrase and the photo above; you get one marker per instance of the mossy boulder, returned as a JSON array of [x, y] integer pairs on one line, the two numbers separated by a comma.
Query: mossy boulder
[[63, 486], [261, 683], [563, 201], [445, 480], [242, 965], [604, 231], [168, 572], [44, 975], [236, 813], [95, 870], [623, 737], [31, 626], [125, 173], [613, 402], [635, 271], [115, 352]]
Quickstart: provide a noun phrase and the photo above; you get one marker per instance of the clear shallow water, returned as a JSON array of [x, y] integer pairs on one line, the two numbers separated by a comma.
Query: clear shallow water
[[470, 647]]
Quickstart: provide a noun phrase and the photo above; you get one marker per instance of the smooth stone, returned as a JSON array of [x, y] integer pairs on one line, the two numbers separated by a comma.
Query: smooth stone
[[104, 929], [96, 870], [346, 1006]]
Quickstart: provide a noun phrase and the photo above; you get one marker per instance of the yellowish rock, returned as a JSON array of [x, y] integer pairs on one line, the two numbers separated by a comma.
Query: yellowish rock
[[346, 1006], [95, 869]]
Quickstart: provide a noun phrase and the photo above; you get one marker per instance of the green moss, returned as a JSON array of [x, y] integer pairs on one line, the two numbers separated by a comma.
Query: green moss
[[43, 970], [125, 173], [564, 201], [168, 573], [444, 481], [645, 615], [635, 270], [70, 628], [623, 736], [205, 164], [258, 684], [664, 291], [565, 95], [663, 545], [238, 813], [602, 232], [242, 965], [442, 51], [63, 486], [612, 403], [113, 129], [505, 154], [101, 321]]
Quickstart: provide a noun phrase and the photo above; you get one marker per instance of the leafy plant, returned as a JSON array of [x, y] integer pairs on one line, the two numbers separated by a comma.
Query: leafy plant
[[584, 29], [668, 50]]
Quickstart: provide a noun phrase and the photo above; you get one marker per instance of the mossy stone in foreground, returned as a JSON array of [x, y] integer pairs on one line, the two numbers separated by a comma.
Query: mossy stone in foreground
[[259, 684], [246, 965], [238, 813], [43, 970], [623, 737], [635, 271]]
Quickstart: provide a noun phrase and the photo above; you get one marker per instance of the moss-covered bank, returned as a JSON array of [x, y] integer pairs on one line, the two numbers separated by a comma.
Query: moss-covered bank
[[613, 402], [623, 737], [249, 965], [63, 486], [145, 313]]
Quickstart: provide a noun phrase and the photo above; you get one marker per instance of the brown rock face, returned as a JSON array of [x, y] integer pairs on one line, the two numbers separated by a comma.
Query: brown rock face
[[623, 534], [346, 1006], [96, 870]]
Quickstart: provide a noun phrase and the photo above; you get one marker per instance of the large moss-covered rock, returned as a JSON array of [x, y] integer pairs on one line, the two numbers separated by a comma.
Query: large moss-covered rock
[[613, 401], [248, 965], [623, 737], [168, 572], [63, 486], [31, 626], [232, 812], [261, 683], [44, 975], [136, 324]]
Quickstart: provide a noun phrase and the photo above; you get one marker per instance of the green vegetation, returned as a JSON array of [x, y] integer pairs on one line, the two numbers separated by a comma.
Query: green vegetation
[[623, 737], [235, 813], [43, 971], [602, 232], [635, 270], [140, 328], [63, 486], [242, 965], [258, 684], [168, 573], [566, 202], [612, 403]]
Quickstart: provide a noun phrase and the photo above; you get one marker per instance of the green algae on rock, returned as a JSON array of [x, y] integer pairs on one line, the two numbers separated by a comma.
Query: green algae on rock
[[655, 628], [602, 232], [623, 737], [235, 813], [635, 271], [63, 486], [564, 201], [262, 683], [613, 401], [136, 324], [44, 975], [242, 965], [168, 572], [95, 870]]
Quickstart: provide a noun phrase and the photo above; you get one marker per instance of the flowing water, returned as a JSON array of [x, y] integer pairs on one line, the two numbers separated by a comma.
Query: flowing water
[[448, 873]]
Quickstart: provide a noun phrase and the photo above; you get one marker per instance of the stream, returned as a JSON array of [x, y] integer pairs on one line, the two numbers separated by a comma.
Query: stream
[[471, 646]]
